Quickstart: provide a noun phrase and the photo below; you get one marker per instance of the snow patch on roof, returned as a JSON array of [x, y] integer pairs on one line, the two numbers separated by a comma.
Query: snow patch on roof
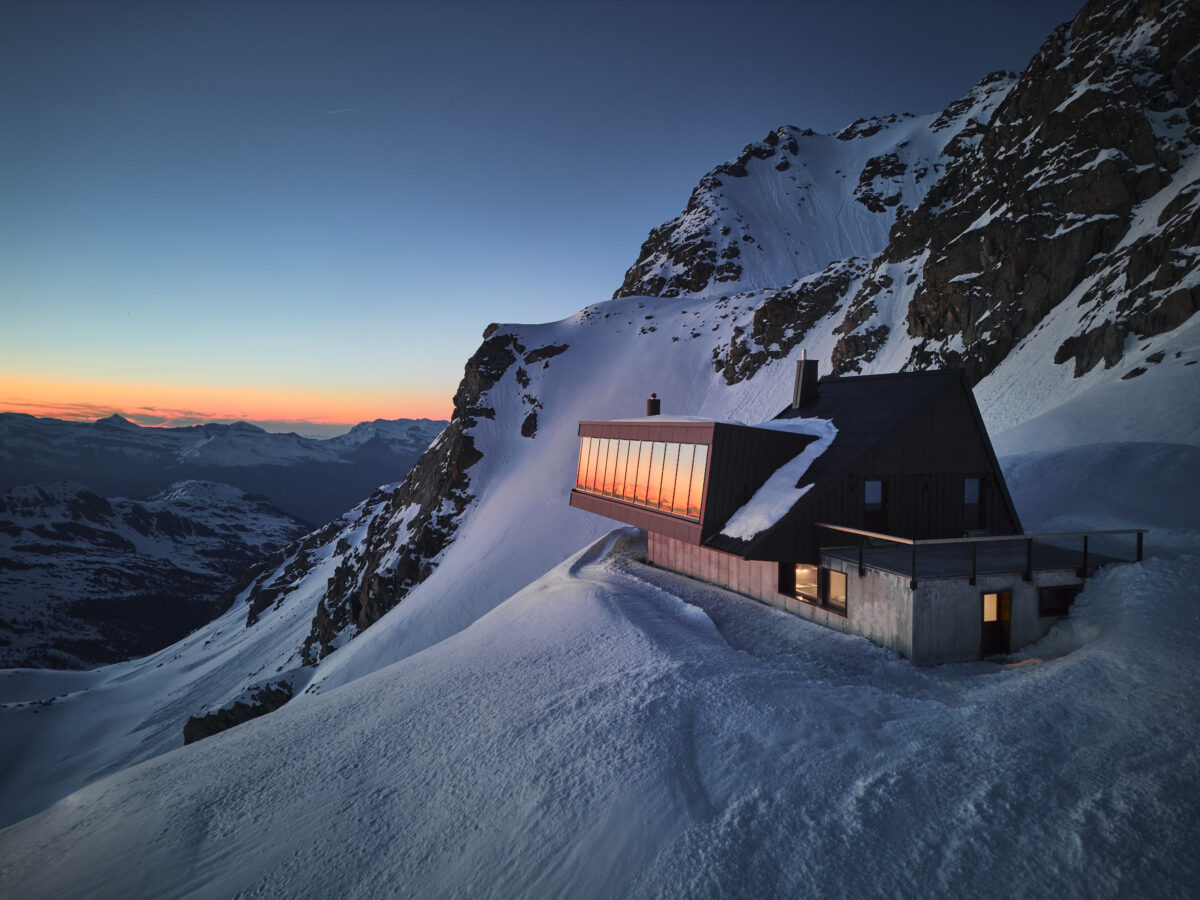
[[780, 493]]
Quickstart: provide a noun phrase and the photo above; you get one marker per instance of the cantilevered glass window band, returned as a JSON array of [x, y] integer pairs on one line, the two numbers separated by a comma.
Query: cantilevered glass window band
[[662, 475]]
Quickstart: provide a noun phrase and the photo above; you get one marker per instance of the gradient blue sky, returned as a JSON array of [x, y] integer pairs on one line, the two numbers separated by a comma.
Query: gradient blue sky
[[235, 209]]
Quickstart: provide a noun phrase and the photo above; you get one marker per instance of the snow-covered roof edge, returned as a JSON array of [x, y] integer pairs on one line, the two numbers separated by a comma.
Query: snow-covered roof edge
[[780, 492]]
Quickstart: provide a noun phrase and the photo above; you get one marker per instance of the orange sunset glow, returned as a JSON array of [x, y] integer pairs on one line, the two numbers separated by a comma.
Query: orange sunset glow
[[176, 404]]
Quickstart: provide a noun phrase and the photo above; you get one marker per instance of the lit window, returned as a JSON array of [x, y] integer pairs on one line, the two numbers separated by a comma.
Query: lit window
[[670, 462], [596, 466], [806, 583], [990, 607], [618, 485], [695, 494], [655, 474], [643, 472], [610, 468], [836, 595], [683, 479], [656, 470], [585, 447]]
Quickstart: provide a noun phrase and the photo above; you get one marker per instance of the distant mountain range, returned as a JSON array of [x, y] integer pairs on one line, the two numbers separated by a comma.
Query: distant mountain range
[[86, 580], [312, 479]]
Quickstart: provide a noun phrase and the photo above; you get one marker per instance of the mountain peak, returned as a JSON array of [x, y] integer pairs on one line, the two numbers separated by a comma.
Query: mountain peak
[[118, 420]]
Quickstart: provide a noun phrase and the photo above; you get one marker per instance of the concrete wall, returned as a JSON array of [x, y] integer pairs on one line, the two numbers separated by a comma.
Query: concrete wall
[[940, 622], [873, 617], [948, 614], [878, 606]]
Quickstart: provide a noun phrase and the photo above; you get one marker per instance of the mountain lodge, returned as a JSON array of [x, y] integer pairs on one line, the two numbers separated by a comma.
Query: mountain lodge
[[872, 504]]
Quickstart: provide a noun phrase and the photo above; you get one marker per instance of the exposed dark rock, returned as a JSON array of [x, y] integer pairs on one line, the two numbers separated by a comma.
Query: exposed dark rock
[[1104, 342], [1044, 200], [547, 352], [263, 700], [873, 182], [783, 319], [409, 527], [529, 426]]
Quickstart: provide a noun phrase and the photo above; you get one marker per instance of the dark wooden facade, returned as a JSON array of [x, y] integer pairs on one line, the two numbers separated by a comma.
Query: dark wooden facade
[[920, 435], [922, 463]]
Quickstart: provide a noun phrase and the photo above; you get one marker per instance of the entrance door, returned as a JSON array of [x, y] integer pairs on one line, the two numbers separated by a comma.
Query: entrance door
[[997, 623]]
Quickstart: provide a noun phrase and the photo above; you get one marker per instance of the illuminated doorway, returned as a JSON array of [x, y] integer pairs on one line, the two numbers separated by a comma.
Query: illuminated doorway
[[997, 623]]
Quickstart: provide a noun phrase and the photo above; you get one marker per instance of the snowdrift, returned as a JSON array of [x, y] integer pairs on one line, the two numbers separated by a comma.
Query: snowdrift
[[596, 735]]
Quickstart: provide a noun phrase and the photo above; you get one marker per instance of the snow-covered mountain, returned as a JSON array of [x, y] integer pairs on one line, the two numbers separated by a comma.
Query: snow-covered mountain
[[314, 479], [796, 201], [86, 580], [472, 714], [720, 354]]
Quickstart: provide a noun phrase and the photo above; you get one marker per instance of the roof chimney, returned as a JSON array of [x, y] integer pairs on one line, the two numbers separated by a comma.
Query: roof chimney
[[653, 405], [804, 392]]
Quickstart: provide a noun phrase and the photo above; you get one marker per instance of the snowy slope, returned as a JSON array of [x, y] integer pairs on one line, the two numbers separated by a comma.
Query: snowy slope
[[614, 730], [518, 525]]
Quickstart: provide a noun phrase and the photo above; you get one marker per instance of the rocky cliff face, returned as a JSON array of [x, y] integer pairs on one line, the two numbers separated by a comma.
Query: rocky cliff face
[[796, 201], [1075, 186], [1082, 190], [392, 542]]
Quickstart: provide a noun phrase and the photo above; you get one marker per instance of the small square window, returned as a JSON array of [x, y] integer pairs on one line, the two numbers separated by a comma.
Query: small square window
[[836, 595], [873, 493], [990, 607], [970, 490]]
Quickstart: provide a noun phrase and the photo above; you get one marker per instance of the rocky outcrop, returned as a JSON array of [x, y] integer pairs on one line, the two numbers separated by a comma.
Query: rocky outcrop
[[1075, 186], [1050, 206], [761, 221], [261, 700], [783, 319], [377, 553], [410, 526]]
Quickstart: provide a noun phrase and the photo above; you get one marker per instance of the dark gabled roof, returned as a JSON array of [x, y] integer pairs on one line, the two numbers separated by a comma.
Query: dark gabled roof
[[865, 409]]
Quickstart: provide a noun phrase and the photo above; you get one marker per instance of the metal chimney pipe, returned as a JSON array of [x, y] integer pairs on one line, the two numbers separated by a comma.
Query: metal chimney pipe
[[653, 405]]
